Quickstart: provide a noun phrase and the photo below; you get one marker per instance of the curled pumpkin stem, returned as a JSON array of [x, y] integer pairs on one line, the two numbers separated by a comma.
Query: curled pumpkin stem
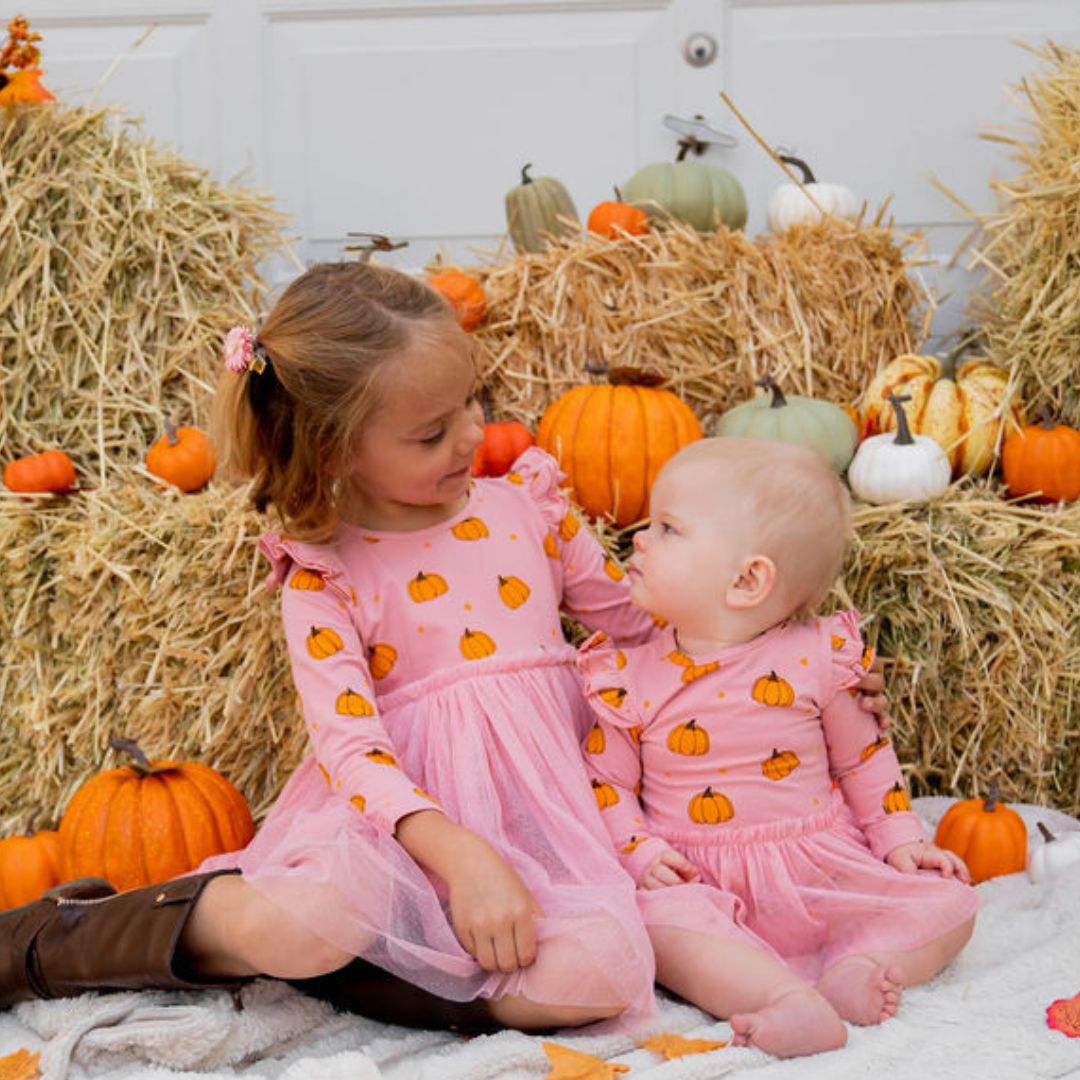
[[130, 746], [767, 382], [807, 172]]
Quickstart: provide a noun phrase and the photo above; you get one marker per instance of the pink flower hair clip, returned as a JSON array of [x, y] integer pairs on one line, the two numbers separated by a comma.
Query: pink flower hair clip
[[241, 353]]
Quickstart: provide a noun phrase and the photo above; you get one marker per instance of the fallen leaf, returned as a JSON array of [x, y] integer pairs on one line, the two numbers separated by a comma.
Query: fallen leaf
[[567, 1064], [1064, 1015], [23, 87], [675, 1046], [22, 1065]]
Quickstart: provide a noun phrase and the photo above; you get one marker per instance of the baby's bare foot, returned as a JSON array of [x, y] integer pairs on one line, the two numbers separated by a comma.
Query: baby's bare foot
[[797, 1023], [861, 990]]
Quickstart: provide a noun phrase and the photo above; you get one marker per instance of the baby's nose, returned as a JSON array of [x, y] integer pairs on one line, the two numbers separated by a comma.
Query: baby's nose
[[639, 540]]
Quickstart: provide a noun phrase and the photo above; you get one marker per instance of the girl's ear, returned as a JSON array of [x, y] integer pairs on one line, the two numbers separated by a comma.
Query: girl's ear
[[753, 584]]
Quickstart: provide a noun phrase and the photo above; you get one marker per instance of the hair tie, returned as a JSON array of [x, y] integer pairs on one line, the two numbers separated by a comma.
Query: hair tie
[[241, 353]]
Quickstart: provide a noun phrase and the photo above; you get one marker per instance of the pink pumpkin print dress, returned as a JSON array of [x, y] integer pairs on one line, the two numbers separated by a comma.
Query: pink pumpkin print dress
[[432, 670], [761, 768]]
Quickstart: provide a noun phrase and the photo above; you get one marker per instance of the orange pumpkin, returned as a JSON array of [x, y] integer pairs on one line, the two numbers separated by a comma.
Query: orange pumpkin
[[772, 690], [350, 703], [150, 821], [427, 587], [568, 527], [896, 800], [29, 865], [594, 741], [307, 581], [615, 219], [989, 836], [780, 764], [471, 528], [183, 457], [709, 807], [513, 591], [605, 794], [599, 433], [504, 442], [49, 471], [688, 739], [869, 751], [381, 659], [613, 695], [323, 642], [464, 294], [381, 757], [475, 645], [1045, 459]]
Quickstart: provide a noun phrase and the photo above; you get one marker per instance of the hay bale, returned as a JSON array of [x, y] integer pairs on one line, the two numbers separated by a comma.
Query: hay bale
[[821, 308], [1030, 245], [121, 264]]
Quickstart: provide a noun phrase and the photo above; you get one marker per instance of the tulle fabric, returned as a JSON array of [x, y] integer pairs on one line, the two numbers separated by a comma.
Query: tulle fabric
[[498, 749], [811, 889]]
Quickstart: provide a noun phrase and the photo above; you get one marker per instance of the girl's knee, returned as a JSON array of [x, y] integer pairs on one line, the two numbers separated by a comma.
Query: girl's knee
[[613, 969]]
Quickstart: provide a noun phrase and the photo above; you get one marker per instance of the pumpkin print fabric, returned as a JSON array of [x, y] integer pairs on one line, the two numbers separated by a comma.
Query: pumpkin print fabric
[[434, 674], [772, 779]]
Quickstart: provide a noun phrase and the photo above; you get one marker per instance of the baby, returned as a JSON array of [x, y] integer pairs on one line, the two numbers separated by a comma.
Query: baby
[[785, 881]]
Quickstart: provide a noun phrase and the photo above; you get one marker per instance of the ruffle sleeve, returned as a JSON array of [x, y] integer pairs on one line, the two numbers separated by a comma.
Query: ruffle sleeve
[[849, 657], [541, 475], [283, 553], [606, 676]]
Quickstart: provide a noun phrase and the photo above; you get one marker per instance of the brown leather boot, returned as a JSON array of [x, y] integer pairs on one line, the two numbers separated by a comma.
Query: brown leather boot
[[86, 936], [367, 990]]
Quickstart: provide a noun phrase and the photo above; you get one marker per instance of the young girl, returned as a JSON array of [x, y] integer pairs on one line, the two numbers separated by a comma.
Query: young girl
[[784, 880], [443, 828]]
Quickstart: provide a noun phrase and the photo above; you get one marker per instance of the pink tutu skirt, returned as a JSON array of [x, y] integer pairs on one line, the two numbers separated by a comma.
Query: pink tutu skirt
[[808, 890], [497, 745]]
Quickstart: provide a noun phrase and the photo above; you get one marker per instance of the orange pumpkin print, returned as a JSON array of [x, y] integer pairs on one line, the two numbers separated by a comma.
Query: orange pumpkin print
[[475, 645], [605, 794], [381, 659], [594, 741], [620, 659], [837, 641], [695, 671], [633, 844], [688, 739], [780, 764], [513, 592], [471, 528], [325, 774], [867, 657], [359, 802], [878, 744], [427, 587], [515, 478], [677, 656], [551, 549], [381, 757], [323, 642], [350, 703], [613, 695], [613, 570], [424, 795], [896, 800], [307, 580], [568, 527], [709, 807], [658, 621], [635, 733], [772, 690]]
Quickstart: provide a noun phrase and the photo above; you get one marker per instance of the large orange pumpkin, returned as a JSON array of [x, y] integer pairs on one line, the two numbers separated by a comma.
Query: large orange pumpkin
[[962, 407], [1043, 458], [989, 836], [183, 457], [29, 865], [151, 820], [611, 440]]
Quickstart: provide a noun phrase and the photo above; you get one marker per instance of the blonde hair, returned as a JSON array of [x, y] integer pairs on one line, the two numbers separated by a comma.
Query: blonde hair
[[795, 509], [292, 426]]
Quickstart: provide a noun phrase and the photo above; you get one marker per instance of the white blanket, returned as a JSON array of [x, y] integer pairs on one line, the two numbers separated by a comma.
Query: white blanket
[[984, 1018]]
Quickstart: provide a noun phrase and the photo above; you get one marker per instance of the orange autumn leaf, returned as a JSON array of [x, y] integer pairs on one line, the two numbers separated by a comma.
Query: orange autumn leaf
[[1064, 1016], [23, 88], [567, 1064], [675, 1046], [22, 1065]]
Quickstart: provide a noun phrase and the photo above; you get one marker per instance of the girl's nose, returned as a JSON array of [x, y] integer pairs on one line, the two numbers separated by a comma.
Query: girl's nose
[[639, 539]]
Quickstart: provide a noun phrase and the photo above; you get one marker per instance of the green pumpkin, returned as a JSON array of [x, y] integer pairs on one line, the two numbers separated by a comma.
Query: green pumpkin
[[689, 191], [819, 425], [534, 209]]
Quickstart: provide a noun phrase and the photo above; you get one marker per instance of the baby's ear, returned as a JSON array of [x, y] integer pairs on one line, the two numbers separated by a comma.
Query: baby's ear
[[753, 584]]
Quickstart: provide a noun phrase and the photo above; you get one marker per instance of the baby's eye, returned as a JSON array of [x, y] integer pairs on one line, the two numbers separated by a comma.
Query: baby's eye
[[665, 527], [434, 440]]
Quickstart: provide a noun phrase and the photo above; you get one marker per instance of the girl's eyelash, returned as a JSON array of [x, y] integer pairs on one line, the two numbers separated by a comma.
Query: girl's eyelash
[[432, 440]]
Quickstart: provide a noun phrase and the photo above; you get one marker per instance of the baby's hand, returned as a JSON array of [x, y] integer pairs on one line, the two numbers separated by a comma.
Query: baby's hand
[[907, 858], [668, 868], [872, 693]]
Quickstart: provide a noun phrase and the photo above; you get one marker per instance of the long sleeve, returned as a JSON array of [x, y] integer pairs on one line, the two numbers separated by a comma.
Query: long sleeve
[[334, 685], [861, 759]]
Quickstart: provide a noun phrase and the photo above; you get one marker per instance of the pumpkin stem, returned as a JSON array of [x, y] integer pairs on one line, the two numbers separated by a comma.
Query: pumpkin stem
[[949, 361], [130, 746], [170, 431], [525, 177], [1047, 835], [618, 193], [903, 432], [769, 383], [485, 404], [807, 174], [1046, 418], [627, 376], [991, 798]]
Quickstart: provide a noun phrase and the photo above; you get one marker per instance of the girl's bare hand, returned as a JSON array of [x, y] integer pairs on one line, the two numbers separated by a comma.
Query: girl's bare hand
[[670, 867], [872, 693]]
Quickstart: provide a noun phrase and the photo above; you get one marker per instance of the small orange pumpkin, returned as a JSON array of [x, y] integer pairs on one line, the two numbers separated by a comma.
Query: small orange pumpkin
[[29, 865], [475, 645], [617, 573], [605, 794], [1045, 459], [151, 820], [709, 807], [772, 690], [504, 442], [897, 800], [183, 457], [307, 581], [878, 744], [613, 695], [323, 642], [594, 741], [381, 659], [350, 703], [48, 471], [513, 591], [470, 528], [989, 836], [568, 527], [427, 587], [614, 219], [688, 739], [381, 757], [464, 294], [780, 764]]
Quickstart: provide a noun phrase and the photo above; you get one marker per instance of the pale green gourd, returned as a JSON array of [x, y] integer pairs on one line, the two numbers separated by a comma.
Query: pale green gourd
[[819, 425], [535, 210], [688, 191]]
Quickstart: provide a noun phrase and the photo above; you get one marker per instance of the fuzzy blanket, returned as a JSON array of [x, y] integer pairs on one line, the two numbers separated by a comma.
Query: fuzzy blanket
[[985, 1017]]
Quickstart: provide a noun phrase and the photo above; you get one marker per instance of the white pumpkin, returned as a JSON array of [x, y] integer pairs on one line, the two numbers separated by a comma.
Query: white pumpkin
[[893, 468], [790, 204], [1046, 861]]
